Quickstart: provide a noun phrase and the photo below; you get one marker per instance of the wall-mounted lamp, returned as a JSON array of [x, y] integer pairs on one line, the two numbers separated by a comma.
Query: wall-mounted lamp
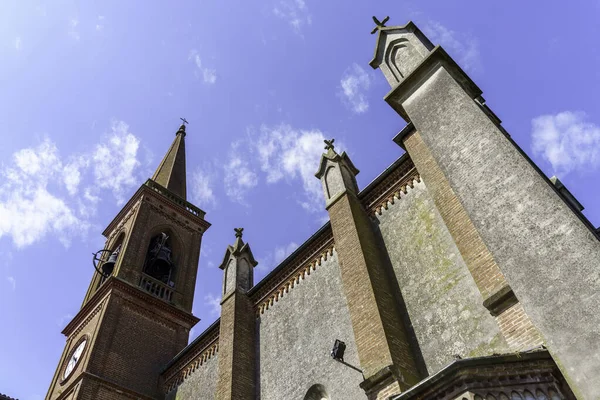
[[337, 353]]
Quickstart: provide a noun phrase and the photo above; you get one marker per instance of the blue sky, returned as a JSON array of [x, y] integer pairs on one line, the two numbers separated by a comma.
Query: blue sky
[[91, 94]]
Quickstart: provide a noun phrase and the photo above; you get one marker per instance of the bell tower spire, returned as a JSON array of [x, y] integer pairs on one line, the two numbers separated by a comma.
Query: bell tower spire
[[171, 171], [137, 313]]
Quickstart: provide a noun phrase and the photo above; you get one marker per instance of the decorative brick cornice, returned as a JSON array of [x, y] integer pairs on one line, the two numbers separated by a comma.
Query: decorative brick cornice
[[113, 283], [193, 358], [389, 186], [397, 193], [119, 227], [296, 276], [170, 203], [85, 315], [122, 391], [159, 209], [292, 270]]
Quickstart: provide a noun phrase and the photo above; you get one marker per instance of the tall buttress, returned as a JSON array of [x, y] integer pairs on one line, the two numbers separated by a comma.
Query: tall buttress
[[137, 316]]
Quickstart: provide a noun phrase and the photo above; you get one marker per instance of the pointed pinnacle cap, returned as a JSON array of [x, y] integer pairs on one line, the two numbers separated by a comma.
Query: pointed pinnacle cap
[[171, 170], [237, 249]]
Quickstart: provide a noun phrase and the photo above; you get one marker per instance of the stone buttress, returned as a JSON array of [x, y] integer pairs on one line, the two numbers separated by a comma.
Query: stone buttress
[[237, 359], [532, 255], [386, 357]]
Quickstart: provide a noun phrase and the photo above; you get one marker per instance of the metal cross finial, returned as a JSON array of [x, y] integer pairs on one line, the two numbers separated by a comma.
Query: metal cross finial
[[184, 120], [238, 232], [379, 24], [329, 144]]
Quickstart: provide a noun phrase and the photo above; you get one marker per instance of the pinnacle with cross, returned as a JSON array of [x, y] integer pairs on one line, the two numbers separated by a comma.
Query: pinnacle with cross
[[238, 232], [182, 127], [329, 144], [379, 24]]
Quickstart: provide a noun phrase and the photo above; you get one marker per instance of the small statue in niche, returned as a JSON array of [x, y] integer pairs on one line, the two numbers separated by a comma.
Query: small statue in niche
[[158, 260]]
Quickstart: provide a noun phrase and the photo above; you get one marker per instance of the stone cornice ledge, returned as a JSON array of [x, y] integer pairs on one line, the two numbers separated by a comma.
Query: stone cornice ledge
[[500, 301], [435, 60], [455, 370]]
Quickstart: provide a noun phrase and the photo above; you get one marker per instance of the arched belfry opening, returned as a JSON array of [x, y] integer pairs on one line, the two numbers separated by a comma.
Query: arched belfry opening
[[316, 392], [110, 257], [159, 263]]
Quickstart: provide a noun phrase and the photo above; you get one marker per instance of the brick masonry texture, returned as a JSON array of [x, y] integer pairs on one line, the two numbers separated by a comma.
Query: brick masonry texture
[[380, 335], [296, 335], [201, 383], [484, 270], [548, 256], [236, 348], [443, 302]]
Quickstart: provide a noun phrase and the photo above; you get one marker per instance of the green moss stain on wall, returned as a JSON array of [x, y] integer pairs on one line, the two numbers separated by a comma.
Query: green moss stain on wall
[[443, 302]]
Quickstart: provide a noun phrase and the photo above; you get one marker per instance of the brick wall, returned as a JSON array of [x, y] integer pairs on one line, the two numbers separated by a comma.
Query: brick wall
[[236, 348], [380, 335]]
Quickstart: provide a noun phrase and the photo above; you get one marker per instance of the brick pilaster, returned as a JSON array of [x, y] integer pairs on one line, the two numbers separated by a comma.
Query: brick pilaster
[[515, 325], [236, 349], [379, 333]]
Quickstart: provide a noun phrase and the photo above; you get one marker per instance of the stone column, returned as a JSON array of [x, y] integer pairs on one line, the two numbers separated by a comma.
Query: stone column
[[237, 357], [384, 351], [519, 237]]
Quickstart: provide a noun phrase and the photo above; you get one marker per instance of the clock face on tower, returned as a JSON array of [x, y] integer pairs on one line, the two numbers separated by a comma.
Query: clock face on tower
[[74, 359]]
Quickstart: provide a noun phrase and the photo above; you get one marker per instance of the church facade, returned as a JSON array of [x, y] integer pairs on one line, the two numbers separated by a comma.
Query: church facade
[[461, 272]]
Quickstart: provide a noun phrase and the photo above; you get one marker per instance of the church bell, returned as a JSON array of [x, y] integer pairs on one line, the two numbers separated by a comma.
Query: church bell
[[160, 264], [109, 265]]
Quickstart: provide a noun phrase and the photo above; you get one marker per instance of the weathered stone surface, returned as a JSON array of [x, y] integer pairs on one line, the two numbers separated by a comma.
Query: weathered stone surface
[[442, 300], [549, 257], [201, 384], [296, 335]]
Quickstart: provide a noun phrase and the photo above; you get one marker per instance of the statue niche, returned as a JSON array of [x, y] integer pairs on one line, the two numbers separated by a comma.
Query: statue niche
[[159, 264]]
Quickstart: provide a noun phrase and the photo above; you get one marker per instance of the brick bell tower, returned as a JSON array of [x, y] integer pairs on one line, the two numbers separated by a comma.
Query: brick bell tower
[[136, 315]]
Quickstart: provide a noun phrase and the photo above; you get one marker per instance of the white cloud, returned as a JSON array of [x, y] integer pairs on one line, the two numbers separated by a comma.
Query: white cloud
[[288, 153], [28, 209], [209, 75], [283, 251], [202, 188], [567, 141], [275, 257], [73, 31], [462, 47], [34, 187], [213, 303], [100, 23], [194, 56], [18, 43], [353, 85], [239, 176], [295, 12], [115, 161], [12, 281], [62, 321], [72, 174]]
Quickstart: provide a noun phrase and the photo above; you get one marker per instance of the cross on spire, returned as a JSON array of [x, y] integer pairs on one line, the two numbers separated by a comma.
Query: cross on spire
[[379, 24], [329, 144], [238, 232], [184, 121]]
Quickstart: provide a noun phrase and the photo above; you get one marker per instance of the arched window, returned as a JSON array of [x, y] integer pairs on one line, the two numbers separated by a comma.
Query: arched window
[[316, 392], [110, 258], [159, 264]]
